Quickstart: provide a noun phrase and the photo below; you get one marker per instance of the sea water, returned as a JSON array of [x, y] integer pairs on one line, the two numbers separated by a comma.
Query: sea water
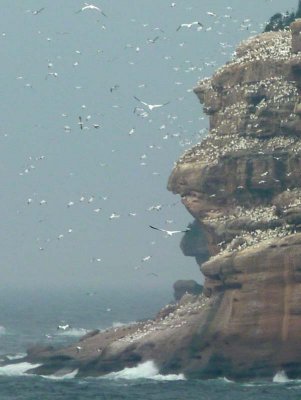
[[31, 317]]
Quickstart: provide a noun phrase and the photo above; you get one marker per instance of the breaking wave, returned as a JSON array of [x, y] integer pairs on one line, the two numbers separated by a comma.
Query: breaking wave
[[226, 380], [15, 356], [146, 370], [69, 375], [280, 377], [74, 332], [2, 330], [18, 369]]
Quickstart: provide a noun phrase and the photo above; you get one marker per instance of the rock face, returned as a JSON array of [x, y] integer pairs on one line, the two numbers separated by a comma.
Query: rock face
[[183, 287], [242, 184]]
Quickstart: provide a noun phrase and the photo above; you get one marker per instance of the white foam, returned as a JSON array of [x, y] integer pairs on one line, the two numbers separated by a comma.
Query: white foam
[[146, 370], [69, 375], [18, 369], [15, 356], [120, 324], [280, 377], [74, 332], [227, 380], [2, 330]]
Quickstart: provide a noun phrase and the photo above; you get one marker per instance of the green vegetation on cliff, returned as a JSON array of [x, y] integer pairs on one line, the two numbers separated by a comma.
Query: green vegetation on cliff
[[280, 21]]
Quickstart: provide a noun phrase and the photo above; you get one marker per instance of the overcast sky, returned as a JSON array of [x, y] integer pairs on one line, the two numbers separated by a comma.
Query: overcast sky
[[57, 65]]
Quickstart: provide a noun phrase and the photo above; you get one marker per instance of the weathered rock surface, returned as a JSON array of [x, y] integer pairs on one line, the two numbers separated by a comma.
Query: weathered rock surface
[[182, 287], [242, 184]]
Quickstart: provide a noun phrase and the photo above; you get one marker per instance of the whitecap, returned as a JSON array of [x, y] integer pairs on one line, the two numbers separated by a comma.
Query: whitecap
[[69, 375], [18, 369], [2, 330], [146, 370], [15, 356], [224, 379], [280, 377], [74, 332]]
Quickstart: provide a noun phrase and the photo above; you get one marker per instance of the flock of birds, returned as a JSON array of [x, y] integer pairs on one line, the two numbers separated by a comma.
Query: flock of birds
[[240, 126], [182, 314], [143, 110], [233, 123], [162, 116]]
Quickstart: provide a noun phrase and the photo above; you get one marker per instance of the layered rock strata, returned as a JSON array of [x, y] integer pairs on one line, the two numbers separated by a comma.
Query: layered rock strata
[[242, 184], [182, 287]]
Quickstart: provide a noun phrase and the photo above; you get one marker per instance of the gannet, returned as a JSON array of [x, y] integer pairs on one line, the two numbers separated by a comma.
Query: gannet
[[63, 327], [80, 122], [36, 12], [189, 25], [151, 106], [169, 233], [91, 7]]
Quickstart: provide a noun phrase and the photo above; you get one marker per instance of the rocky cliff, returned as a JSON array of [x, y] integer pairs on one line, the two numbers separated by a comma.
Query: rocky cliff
[[242, 184]]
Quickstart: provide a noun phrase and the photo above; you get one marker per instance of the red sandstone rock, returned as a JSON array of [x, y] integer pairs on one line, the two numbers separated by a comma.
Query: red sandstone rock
[[242, 184]]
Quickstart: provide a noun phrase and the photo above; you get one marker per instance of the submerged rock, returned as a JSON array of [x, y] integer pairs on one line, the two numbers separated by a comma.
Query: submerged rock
[[242, 184]]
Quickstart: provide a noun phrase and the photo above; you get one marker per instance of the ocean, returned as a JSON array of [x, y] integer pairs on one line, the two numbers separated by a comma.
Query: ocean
[[31, 317]]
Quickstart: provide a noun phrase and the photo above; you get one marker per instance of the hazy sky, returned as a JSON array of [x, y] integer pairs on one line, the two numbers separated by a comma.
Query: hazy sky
[[59, 62]]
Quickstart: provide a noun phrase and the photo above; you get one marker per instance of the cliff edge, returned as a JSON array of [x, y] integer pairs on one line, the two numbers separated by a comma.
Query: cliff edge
[[242, 184]]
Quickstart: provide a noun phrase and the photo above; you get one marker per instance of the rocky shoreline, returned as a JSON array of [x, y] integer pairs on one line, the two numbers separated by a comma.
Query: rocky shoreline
[[242, 184]]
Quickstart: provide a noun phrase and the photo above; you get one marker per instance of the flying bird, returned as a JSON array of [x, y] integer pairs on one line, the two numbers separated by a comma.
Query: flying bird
[[115, 87], [189, 25], [36, 12], [153, 40], [114, 215], [80, 122], [63, 327], [169, 233], [91, 7], [151, 106]]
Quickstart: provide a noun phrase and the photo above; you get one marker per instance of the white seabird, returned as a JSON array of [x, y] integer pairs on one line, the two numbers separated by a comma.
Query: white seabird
[[211, 14], [114, 215], [91, 7], [36, 12], [151, 106], [169, 233], [63, 327], [189, 25]]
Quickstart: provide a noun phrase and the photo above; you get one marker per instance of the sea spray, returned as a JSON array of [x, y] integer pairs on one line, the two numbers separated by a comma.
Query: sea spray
[[280, 377], [146, 370], [66, 376], [17, 356], [74, 332], [18, 369]]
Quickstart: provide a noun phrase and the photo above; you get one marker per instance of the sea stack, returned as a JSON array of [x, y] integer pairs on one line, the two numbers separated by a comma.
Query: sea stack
[[242, 184]]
